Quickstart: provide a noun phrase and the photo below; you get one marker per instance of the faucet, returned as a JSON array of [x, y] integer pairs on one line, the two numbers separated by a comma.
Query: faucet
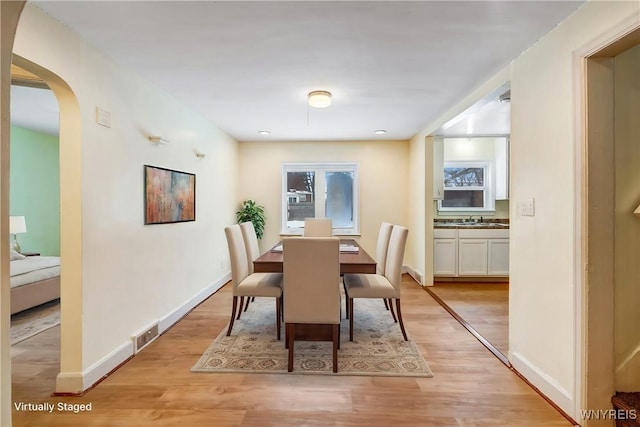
[[477, 220]]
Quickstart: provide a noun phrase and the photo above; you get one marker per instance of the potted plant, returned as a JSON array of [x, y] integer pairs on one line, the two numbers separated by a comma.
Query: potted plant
[[250, 211]]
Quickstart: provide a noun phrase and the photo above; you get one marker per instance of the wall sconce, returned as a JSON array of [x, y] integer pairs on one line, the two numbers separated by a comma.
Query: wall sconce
[[637, 211], [17, 224], [158, 140]]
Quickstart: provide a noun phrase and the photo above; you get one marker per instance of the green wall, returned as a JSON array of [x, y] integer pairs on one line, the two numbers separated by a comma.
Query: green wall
[[35, 189]]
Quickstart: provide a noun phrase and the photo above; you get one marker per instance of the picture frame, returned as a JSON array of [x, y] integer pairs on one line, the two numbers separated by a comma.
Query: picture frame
[[169, 196]]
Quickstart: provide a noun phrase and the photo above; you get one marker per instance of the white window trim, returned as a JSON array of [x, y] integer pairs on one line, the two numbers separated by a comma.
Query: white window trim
[[319, 212], [489, 187]]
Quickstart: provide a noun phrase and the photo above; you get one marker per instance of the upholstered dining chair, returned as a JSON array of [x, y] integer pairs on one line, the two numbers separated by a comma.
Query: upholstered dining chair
[[387, 285], [381, 255], [253, 251], [381, 258], [317, 227], [246, 285], [311, 290]]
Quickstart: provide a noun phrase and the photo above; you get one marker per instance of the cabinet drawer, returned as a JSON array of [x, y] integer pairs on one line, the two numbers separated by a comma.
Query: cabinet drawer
[[487, 233], [445, 233]]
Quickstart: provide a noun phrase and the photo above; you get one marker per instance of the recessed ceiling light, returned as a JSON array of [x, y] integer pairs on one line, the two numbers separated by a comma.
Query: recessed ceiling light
[[264, 132], [380, 132]]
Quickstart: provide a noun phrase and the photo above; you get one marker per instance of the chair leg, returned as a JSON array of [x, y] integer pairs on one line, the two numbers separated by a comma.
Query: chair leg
[[246, 306], [350, 305], [291, 331], [404, 334], [241, 304], [385, 303], [392, 312], [278, 303], [336, 342], [233, 314], [346, 300]]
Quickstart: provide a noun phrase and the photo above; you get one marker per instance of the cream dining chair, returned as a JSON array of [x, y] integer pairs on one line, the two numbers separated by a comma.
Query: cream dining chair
[[381, 258], [387, 285], [317, 227], [311, 289], [246, 285], [253, 251], [381, 255]]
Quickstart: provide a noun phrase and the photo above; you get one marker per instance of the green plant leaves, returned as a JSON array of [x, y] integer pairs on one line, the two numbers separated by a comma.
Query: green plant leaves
[[253, 212]]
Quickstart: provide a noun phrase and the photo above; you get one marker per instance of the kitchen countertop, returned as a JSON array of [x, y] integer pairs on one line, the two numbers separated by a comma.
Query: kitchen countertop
[[459, 223]]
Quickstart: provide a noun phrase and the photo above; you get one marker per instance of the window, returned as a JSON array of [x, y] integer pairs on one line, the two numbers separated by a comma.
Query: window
[[320, 190], [467, 187]]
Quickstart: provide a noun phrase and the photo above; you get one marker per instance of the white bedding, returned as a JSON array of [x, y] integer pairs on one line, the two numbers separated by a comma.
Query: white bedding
[[33, 269]]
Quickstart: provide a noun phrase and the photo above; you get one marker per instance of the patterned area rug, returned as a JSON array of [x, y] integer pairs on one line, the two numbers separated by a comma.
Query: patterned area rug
[[378, 348], [31, 322]]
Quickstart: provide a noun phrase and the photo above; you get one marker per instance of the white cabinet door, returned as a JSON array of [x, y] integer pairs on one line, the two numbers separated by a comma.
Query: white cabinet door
[[472, 257], [498, 257], [502, 168], [438, 168], [445, 257]]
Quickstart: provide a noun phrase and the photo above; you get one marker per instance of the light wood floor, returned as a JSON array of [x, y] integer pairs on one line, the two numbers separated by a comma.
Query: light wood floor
[[155, 388], [484, 305]]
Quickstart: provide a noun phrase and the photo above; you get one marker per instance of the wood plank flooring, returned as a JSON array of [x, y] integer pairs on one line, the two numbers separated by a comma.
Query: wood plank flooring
[[155, 388], [484, 305]]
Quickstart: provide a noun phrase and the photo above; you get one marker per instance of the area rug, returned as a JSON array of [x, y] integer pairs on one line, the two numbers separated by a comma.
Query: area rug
[[378, 348], [31, 322]]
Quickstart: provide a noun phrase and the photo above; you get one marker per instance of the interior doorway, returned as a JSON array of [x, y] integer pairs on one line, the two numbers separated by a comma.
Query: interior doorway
[[471, 232], [35, 265], [607, 301], [70, 165]]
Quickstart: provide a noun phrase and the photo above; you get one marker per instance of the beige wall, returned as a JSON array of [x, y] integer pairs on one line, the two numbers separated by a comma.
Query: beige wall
[[9, 13], [383, 176], [627, 225], [129, 275]]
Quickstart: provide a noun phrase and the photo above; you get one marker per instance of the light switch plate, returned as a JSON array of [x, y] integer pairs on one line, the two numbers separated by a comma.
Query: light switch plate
[[103, 117], [527, 207]]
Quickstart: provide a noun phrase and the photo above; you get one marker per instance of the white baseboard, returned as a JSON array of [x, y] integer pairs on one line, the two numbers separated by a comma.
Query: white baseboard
[[417, 275], [543, 382], [76, 382], [177, 314]]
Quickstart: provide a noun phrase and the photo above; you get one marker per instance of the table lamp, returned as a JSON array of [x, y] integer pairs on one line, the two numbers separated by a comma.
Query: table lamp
[[17, 224]]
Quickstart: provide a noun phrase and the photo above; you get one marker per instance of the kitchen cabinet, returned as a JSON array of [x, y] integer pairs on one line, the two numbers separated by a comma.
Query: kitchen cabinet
[[438, 168], [467, 252], [502, 168], [498, 257], [445, 252], [472, 257]]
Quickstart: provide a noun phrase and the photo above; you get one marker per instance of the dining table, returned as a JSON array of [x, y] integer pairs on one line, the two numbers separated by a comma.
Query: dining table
[[353, 259]]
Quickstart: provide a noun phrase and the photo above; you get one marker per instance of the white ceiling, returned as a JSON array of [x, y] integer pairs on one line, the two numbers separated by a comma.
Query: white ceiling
[[248, 66]]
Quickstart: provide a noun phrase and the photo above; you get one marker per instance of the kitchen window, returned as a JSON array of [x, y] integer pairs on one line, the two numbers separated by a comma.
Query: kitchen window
[[468, 187], [320, 190]]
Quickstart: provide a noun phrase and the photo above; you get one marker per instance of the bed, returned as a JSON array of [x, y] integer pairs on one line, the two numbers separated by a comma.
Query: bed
[[34, 280]]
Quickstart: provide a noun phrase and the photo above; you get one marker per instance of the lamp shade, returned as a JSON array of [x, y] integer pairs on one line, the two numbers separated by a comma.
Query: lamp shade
[[319, 99], [17, 224]]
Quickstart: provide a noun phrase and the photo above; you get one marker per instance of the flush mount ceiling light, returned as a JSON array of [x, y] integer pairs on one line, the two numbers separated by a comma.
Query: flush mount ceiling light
[[264, 132], [319, 99], [380, 132]]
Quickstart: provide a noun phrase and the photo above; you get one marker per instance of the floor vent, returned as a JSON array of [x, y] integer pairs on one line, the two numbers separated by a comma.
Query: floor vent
[[145, 337]]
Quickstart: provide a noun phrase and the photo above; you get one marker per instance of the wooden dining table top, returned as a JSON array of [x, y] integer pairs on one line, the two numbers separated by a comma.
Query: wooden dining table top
[[350, 262]]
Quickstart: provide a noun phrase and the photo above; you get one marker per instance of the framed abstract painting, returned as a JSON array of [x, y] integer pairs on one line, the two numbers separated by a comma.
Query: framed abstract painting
[[169, 196]]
